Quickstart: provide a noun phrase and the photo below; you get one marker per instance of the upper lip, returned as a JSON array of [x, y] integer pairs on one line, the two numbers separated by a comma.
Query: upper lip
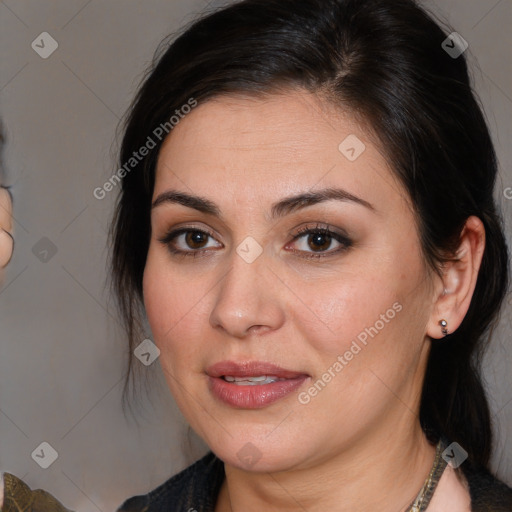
[[250, 369]]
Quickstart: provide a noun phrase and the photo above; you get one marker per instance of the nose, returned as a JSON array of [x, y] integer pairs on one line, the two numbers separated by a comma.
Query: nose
[[249, 299]]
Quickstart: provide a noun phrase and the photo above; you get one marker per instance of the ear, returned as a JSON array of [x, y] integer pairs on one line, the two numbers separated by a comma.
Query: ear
[[6, 240], [453, 292]]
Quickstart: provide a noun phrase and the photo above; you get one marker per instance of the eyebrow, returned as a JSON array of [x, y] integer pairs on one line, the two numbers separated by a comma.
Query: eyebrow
[[280, 209]]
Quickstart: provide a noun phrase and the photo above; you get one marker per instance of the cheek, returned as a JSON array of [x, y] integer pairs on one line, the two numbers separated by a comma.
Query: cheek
[[173, 302], [372, 316], [369, 341], [164, 303], [344, 307]]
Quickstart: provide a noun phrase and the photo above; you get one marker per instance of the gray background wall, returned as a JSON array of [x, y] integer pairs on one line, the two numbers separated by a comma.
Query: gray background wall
[[62, 352]]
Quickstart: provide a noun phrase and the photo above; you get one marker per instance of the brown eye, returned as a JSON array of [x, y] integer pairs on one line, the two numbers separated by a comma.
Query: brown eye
[[317, 242], [187, 242], [195, 239]]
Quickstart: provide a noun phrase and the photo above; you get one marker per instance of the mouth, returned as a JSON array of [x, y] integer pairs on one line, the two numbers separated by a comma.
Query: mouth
[[252, 384], [251, 381], [251, 370]]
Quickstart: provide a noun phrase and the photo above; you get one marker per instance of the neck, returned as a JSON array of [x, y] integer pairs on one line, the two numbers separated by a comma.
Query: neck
[[384, 472]]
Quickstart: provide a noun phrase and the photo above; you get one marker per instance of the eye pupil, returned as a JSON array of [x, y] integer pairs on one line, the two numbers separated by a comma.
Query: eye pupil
[[318, 237], [195, 237]]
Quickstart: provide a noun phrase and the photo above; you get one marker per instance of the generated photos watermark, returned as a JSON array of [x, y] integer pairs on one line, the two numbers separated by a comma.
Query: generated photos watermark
[[343, 360], [159, 133]]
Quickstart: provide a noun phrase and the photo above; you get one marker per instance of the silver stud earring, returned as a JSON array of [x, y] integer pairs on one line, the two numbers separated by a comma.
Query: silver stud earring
[[443, 323]]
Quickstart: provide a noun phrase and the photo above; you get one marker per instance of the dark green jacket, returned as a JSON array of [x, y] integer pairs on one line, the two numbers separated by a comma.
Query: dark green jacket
[[19, 498]]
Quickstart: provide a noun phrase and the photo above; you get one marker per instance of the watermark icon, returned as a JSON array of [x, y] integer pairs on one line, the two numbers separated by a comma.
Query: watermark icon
[[147, 352], [159, 134], [249, 454], [352, 147], [508, 193], [249, 249], [454, 45], [45, 455], [304, 397], [44, 45], [44, 250], [455, 455]]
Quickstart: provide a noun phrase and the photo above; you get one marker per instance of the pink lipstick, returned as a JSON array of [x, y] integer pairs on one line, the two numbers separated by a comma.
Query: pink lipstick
[[252, 384]]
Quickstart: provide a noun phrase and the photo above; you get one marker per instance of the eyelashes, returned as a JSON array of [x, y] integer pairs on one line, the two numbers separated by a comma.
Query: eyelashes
[[319, 237], [171, 236], [319, 234]]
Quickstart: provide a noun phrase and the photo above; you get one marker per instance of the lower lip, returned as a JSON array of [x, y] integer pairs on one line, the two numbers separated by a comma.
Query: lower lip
[[253, 397]]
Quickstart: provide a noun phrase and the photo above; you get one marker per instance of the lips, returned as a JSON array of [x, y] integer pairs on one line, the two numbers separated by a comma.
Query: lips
[[251, 369], [268, 383]]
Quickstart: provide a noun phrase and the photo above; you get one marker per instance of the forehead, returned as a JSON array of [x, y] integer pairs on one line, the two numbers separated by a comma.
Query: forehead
[[279, 144], [295, 123]]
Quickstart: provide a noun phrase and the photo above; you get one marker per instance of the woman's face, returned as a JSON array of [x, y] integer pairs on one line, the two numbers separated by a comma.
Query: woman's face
[[345, 313]]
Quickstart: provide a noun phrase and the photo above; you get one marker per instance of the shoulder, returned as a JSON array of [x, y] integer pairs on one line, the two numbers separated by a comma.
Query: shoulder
[[488, 494], [194, 489]]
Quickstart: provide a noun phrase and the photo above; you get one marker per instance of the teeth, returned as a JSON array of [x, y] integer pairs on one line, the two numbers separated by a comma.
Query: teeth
[[252, 381]]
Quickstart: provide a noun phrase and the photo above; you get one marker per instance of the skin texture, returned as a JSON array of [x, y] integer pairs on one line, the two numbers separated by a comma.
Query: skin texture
[[6, 241], [452, 493], [357, 445]]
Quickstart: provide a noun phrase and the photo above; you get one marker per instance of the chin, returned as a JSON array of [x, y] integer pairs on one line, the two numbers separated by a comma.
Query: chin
[[259, 455]]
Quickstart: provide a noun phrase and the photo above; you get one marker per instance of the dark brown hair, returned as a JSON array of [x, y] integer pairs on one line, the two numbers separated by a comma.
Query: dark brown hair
[[384, 61]]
